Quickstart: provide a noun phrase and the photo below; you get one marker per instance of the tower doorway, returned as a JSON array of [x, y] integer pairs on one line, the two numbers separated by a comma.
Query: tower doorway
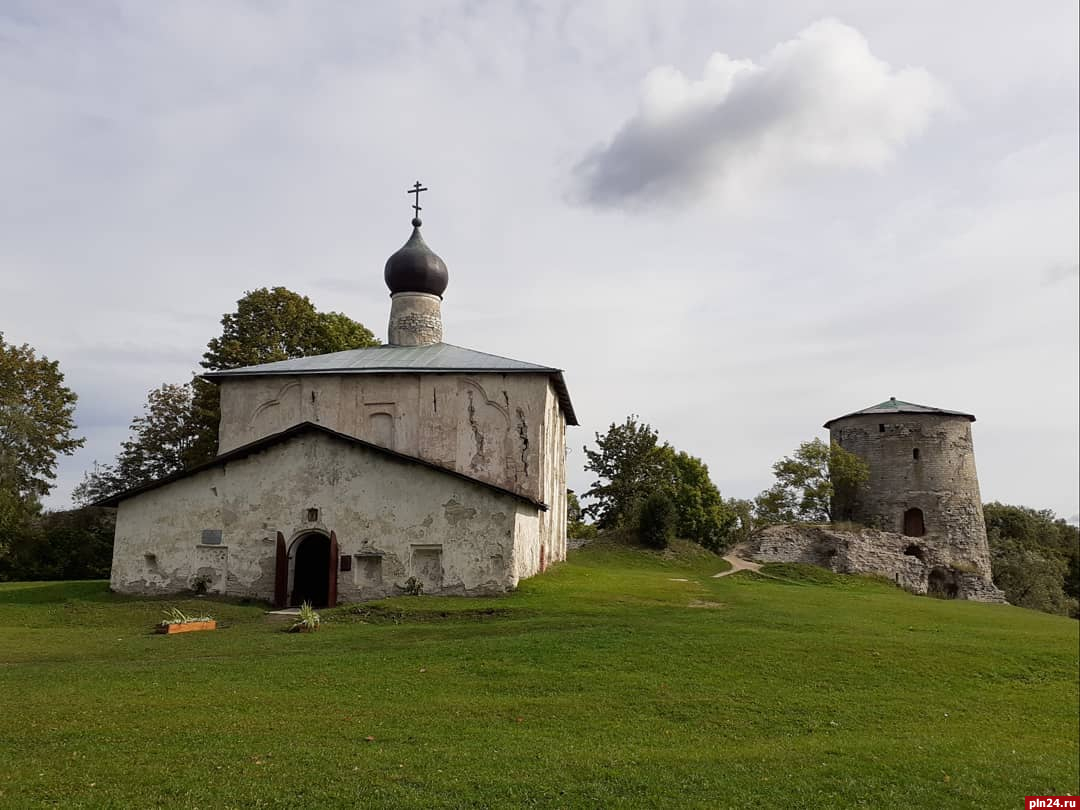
[[311, 571], [942, 584], [913, 523]]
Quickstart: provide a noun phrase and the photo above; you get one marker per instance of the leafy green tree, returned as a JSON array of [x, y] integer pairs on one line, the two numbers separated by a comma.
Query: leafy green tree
[[1031, 578], [277, 324], [161, 443], [848, 475], [269, 324], [576, 527], [632, 465], [1035, 557], [179, 425], [657, 521], [703, 515], [629, 467], [36, 425], [743, 527], [817, 484], [69, 544]]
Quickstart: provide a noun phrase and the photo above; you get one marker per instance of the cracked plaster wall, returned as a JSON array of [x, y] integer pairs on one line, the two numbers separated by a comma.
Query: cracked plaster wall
[[392, 517], [506, 429]]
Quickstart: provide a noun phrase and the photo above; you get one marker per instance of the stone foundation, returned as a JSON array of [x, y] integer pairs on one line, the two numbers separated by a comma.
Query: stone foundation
[[922, 565]]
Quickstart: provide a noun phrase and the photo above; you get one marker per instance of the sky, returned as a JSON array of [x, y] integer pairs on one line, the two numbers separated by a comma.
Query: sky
[[733, 219]]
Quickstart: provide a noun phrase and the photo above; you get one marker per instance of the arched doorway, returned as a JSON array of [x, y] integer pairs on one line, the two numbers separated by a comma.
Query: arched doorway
[[311, 581], [913, 523], [942, 584]]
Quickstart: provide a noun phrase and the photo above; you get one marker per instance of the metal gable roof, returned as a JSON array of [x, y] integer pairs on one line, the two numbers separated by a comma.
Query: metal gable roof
[[895, 406], [438, 358]]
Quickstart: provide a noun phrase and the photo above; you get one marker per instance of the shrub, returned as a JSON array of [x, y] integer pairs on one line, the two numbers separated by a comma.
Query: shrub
[[307, 620], [656, 526]]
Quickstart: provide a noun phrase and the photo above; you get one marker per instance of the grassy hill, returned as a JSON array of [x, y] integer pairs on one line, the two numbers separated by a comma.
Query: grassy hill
[[622, 678]]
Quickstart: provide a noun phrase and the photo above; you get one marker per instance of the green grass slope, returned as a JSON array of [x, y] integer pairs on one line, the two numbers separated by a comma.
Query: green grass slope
[[618, 679]]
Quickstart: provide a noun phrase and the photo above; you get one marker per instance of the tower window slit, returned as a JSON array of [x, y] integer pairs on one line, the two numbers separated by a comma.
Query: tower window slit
[[915, 453]]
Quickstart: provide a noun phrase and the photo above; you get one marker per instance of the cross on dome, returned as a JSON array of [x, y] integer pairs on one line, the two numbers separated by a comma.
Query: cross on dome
[[415, 191]]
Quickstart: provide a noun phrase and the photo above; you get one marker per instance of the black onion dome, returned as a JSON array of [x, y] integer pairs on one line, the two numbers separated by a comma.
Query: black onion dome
[[415, 268]]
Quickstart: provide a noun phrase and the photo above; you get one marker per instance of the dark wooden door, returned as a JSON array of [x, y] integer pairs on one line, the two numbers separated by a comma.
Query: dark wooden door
[[913, 523], [331, 590], [281, 573]]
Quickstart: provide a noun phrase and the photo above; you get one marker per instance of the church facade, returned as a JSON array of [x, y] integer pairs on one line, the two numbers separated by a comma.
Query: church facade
[[417, 465]]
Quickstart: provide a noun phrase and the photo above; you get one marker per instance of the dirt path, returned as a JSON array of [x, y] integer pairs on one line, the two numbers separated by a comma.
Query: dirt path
[[737, 563]]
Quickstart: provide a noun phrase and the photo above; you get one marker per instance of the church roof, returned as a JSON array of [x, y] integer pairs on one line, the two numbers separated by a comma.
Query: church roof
[[297, 430], [895, 406], [438, 358]]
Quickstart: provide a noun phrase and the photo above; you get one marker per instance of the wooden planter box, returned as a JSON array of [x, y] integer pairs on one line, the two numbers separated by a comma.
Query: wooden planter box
[[186, 627]]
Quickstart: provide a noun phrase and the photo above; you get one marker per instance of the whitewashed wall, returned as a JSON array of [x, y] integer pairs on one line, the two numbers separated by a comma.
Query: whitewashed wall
[[381, 509]]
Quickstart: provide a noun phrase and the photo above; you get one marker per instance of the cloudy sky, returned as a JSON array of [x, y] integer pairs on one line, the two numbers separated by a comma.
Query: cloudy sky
[[735, 219]]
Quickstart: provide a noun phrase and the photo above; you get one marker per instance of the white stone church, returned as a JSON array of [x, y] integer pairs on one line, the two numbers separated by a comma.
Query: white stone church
[[360, 474]]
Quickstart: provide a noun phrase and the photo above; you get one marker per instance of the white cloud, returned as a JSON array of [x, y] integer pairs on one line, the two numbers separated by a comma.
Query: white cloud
[[820, 100]]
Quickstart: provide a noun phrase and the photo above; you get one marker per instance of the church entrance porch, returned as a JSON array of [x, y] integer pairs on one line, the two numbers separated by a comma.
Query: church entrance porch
[[314, 577]]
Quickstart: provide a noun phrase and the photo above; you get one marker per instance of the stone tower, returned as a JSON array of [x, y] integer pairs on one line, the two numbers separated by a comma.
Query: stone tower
[[923, 485]]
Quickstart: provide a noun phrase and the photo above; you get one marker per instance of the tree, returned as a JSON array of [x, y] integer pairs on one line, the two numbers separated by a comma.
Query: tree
[[629, 461], [70, 544], [576, 527], [657, 521], [179, 426], [269, 324], [1035, 557], [703, 515], [36, 425], [161, 443], [278, 324], [1031, 578], [816, 484], [743, 527], [632, 465]]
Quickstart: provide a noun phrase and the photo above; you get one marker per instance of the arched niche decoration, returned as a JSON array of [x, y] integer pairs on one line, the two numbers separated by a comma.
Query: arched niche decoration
[[273, 402], [380, 429]]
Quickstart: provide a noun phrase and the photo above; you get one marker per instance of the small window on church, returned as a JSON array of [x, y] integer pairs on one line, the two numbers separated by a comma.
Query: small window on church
[[881, 428], [313, 515], [346, 562], [915, 453]]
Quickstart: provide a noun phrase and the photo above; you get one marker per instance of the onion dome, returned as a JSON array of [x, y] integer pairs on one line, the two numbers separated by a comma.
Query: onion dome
[[416, 268]]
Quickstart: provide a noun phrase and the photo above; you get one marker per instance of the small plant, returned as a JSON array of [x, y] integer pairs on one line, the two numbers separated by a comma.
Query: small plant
[[200, 583], [177, 616], [414, 587], [307, 621]]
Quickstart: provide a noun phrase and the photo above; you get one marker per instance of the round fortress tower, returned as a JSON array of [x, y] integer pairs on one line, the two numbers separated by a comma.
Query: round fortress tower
[[922, 478]]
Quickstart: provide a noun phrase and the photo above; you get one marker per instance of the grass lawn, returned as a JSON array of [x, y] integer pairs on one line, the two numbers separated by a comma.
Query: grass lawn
[[606, 682]]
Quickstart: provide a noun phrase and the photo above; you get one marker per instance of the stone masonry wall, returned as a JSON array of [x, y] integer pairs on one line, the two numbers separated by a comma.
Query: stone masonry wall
[[918, 564], [925, 462], [415, 319]]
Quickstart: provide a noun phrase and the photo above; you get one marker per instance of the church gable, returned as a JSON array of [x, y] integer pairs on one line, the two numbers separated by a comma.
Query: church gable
[[389, 518]]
